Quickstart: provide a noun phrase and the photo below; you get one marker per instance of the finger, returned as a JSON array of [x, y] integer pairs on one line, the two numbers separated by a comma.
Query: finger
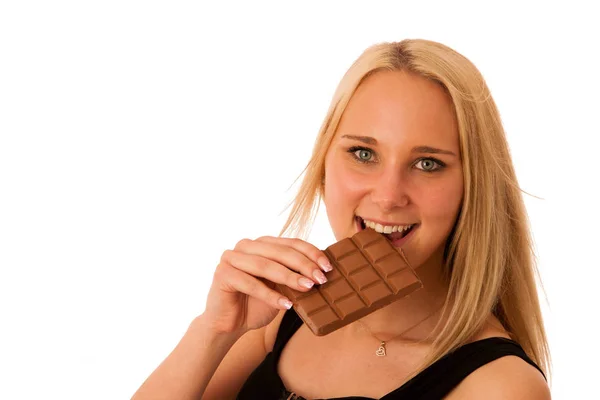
[[234, 279], [309, 250], [283, 253], [268, 269]]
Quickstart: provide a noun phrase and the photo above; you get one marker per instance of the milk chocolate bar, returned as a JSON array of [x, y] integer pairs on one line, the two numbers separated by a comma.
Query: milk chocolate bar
[[368, 274]]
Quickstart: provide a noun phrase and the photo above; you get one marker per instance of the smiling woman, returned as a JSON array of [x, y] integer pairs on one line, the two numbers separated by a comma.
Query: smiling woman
[[413, 137], [392, 180], [412, 147]]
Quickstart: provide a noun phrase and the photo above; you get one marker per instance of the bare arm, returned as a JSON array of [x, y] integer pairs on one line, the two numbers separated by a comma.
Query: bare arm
[[185, 373], [243, 358], [231, 336]]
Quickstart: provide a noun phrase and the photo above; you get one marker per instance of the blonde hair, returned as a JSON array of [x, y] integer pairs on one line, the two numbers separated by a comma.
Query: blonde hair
[[490, 259]]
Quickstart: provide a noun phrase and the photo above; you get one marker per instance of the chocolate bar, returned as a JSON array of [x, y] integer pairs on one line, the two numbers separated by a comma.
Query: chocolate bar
[[368, 274]]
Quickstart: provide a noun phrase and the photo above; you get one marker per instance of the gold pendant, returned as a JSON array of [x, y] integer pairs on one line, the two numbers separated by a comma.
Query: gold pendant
[[381, 350]]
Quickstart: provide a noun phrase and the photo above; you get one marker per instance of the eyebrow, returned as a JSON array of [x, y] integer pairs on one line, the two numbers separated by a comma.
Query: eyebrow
[[416, 149]]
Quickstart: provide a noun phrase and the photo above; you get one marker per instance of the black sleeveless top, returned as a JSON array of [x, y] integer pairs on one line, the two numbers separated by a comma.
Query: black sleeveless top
[[433, 383]]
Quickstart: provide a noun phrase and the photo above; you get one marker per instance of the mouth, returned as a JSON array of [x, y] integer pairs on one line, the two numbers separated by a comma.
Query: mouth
[[398, 235]]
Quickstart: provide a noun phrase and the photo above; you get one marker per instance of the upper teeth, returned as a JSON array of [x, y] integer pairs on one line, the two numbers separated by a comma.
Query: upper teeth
[[387, 228]]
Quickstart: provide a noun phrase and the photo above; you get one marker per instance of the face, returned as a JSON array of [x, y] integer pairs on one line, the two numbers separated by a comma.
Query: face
[[395, 160]]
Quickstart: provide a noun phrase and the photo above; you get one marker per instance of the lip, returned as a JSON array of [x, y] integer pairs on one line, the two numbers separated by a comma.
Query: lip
[[395, 243], [385, 223], [402, 242]]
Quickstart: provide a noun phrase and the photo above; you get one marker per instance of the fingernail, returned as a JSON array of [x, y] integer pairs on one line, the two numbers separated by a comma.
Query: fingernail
[[324, 263], [319, 276], [307, 283], [285, 303]]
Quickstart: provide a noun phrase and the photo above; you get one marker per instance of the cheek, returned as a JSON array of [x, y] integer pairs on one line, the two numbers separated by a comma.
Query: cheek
[[443, 202], [344, 190], [342, 185]]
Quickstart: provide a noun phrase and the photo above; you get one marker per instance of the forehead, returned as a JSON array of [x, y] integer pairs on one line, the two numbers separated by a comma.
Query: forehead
[[400, 109]]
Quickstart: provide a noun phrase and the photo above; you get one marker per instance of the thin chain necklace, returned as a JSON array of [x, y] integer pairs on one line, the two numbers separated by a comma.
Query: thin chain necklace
[[381, 351]]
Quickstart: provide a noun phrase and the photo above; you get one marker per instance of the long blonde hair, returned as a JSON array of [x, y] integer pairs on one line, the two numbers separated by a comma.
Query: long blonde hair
[[490, 260]]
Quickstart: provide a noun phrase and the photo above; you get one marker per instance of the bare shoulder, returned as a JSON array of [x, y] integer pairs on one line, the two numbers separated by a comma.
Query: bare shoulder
[[508, 377]]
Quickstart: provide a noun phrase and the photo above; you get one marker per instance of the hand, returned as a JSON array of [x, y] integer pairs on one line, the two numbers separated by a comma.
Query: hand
[[242, 295]]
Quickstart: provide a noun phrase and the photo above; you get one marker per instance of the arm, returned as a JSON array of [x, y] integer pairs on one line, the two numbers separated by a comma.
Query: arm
[[229, 339], [185, 373], [242, 359], [189, 372]]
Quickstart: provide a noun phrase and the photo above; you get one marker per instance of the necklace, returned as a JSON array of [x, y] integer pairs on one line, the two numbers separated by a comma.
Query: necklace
[[381, 351]]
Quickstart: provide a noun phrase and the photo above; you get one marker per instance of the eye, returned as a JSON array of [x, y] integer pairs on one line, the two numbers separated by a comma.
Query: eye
[[361, 154], [364, 155], [428, 164]]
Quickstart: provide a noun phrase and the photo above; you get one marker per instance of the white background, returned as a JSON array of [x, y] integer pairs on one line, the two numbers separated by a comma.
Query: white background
[[139, 140]]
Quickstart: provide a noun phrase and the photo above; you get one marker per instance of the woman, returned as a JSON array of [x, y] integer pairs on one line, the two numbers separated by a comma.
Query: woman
[[412, 142]]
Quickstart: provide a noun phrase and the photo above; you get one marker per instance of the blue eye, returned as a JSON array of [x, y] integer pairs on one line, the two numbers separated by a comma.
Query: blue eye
[[429, 164], [365, 155], [361, 154]]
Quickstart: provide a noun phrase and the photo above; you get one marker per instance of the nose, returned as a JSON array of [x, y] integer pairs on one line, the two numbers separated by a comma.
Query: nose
[[389, 190]]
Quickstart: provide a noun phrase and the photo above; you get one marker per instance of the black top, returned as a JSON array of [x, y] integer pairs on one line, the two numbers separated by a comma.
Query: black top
[[435, 382]]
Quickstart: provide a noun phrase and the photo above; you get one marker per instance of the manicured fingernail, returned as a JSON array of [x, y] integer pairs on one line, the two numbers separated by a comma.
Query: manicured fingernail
[[285, 303], [324, 263], [307, 283], [319, 276]]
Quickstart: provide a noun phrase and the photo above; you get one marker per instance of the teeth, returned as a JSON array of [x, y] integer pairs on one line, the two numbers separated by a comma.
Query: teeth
[[386, 229]]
